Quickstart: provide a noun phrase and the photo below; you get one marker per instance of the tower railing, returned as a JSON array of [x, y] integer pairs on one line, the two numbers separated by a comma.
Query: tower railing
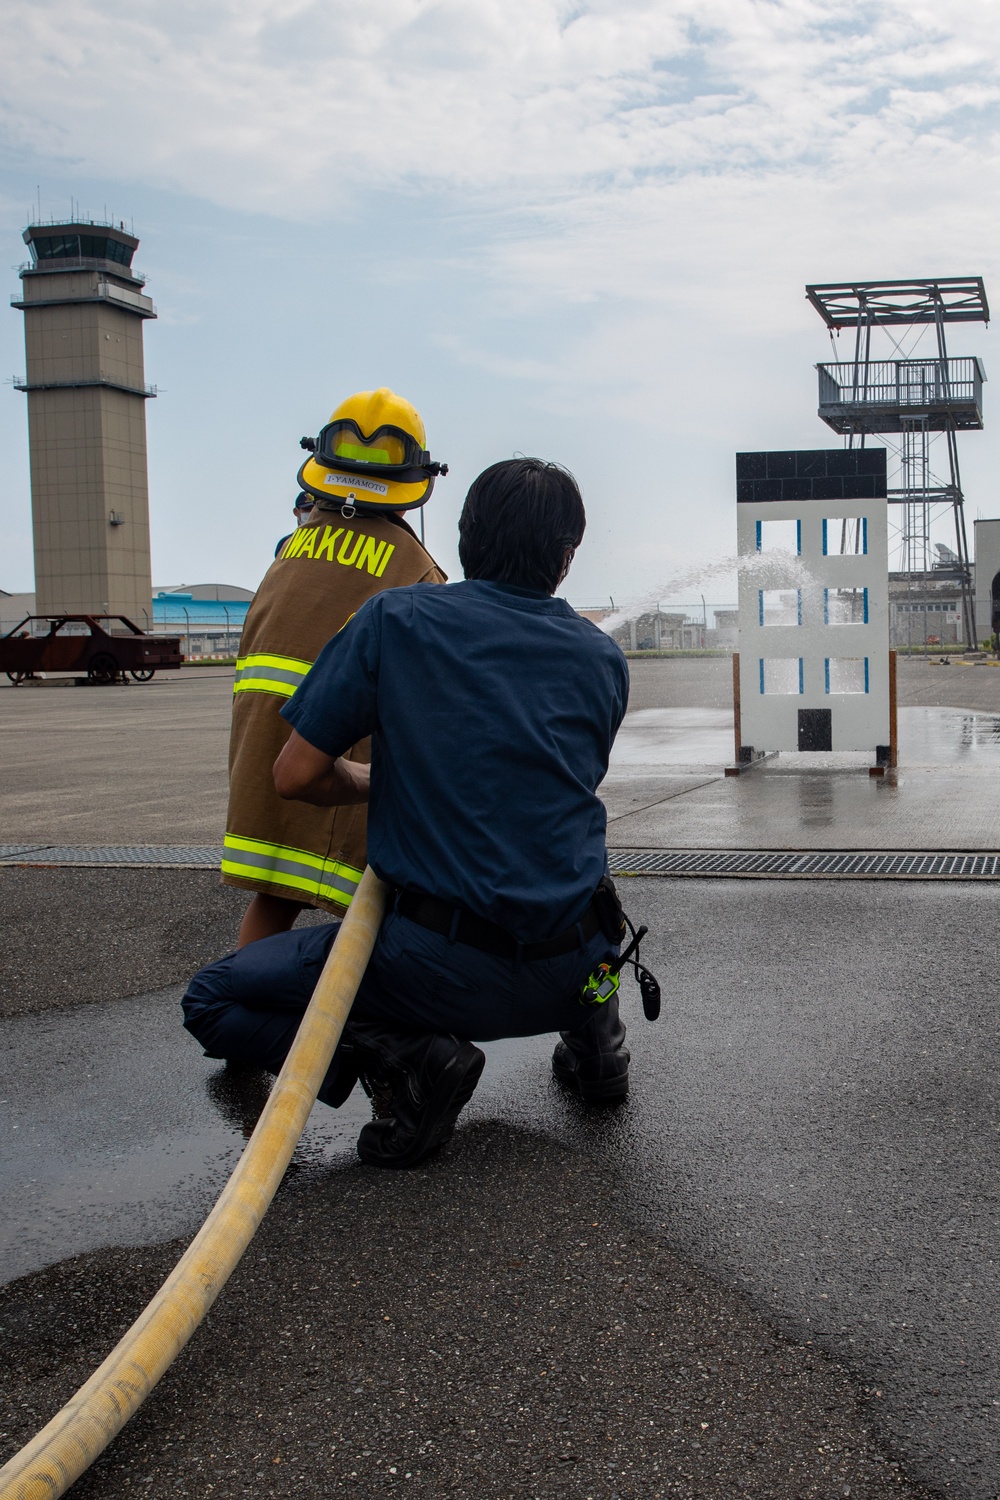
[[79, 263], [877, 394]]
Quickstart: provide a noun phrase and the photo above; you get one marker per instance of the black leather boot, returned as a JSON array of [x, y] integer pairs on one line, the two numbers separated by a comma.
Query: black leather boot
[[431, 1077], [593, 1061]]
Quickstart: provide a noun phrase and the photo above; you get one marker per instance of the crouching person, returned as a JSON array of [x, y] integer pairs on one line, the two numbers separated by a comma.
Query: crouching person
[[492, 708]]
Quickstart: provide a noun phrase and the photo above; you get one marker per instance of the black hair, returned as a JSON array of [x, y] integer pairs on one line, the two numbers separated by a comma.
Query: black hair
[[519, 519]]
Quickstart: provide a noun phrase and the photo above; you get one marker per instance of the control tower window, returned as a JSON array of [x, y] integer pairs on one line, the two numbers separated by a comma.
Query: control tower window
[[87, 246]]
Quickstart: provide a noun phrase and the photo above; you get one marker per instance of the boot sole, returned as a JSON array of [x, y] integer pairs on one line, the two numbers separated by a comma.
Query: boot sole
[[591, 1090], [442, 1110]]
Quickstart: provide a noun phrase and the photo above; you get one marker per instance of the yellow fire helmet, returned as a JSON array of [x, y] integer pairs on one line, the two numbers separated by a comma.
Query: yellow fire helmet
[[370, 456]]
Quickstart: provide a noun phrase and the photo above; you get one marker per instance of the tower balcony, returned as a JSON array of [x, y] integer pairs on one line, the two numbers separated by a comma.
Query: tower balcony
[[889, 395], [99, 290]]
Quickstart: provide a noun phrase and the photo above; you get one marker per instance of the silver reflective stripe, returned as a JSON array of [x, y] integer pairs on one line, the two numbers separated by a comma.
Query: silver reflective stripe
[[270, 674], [310, 876]]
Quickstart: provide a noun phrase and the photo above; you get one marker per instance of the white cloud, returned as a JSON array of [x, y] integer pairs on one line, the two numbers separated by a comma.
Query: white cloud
[[254, 104]]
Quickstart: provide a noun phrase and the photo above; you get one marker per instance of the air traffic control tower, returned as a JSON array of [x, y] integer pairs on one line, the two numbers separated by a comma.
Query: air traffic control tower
[[84, 309]]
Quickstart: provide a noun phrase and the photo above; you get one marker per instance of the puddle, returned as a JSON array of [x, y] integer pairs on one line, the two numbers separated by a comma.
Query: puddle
[[676, 739], [117, 1131]]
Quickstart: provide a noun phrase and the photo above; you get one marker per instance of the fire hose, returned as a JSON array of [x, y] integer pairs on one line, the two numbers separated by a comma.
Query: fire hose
[[47, 1466]]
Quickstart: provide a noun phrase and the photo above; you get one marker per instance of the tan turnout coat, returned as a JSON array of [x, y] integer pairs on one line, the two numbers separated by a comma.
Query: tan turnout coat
[[322, 575]]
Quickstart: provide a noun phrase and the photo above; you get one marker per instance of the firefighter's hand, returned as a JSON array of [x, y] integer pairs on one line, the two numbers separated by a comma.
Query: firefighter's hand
[[304, 774]]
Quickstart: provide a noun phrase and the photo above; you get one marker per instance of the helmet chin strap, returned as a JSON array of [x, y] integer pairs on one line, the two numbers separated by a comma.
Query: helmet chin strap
[[349, 507]]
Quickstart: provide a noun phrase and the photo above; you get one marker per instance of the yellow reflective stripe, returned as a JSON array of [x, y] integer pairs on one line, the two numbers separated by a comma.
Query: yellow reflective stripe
[[287, 663], [261, 672], [263, 685], [294, 869]]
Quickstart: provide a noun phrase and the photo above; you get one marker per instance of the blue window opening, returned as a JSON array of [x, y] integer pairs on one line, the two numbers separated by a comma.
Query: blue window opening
[[838, 548], [843, 675], [798, 537], [781, 676], [759, 541], [778, 607], [830, 620]]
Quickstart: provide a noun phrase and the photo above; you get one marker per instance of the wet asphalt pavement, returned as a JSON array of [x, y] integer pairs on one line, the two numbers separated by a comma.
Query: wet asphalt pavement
[[489, 1325], [771, 1273], [810, 1141]]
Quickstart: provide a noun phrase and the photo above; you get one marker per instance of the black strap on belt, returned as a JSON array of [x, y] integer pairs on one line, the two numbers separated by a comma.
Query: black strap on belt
[[462, 926]]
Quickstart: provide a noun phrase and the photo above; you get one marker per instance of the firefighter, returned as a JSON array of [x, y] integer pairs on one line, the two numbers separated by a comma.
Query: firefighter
[[368, 465], [301, 510], [485, 825]]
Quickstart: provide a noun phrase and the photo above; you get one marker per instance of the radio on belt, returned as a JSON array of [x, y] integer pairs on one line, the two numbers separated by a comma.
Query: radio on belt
[[606, 978]]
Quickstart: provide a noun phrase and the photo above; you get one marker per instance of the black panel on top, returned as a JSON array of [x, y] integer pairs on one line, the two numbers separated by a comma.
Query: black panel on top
[[751, 466], [811, 474], [871, 461], [811, 463]]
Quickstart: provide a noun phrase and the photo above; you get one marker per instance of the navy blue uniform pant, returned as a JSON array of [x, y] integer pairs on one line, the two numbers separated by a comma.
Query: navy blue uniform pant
[[246, 1008]]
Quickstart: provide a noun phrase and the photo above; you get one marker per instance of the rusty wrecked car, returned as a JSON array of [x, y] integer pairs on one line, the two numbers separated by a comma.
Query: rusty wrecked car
[[101, 648]]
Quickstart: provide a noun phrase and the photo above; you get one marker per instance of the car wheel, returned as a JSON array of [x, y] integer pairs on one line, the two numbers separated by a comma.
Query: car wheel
[[142, 674], [103, 668]]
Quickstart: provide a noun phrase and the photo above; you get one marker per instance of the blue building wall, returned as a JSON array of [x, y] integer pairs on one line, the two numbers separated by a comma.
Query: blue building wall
[[182, 612]]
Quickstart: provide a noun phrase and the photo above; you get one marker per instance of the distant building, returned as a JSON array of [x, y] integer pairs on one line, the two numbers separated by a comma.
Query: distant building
[[658, 631], [597, 614], [926, 608], [207, 616], [13, 608], [727, 629]]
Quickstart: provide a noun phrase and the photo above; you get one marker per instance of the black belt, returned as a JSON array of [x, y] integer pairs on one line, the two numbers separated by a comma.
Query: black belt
[[476, 932]]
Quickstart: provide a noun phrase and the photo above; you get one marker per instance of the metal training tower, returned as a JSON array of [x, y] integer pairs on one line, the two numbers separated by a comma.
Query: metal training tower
[[910, 398]]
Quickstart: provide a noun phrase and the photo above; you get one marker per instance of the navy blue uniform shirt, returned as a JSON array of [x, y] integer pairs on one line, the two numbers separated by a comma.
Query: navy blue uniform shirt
[[492, 712]]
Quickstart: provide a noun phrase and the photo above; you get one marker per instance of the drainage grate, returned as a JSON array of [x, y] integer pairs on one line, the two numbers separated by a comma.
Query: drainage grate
[[816, 865], [152, 856], [758, 864]]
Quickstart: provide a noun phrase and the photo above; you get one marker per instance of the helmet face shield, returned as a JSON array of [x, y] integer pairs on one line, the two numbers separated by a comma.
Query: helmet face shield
[[388, 447]]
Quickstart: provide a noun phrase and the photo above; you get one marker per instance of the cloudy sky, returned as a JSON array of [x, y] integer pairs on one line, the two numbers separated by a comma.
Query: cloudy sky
[[580, 230]]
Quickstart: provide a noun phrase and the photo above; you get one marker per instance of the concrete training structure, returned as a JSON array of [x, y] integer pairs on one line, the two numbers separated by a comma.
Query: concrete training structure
[[987, 543], [814, 609], [83, 314]]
